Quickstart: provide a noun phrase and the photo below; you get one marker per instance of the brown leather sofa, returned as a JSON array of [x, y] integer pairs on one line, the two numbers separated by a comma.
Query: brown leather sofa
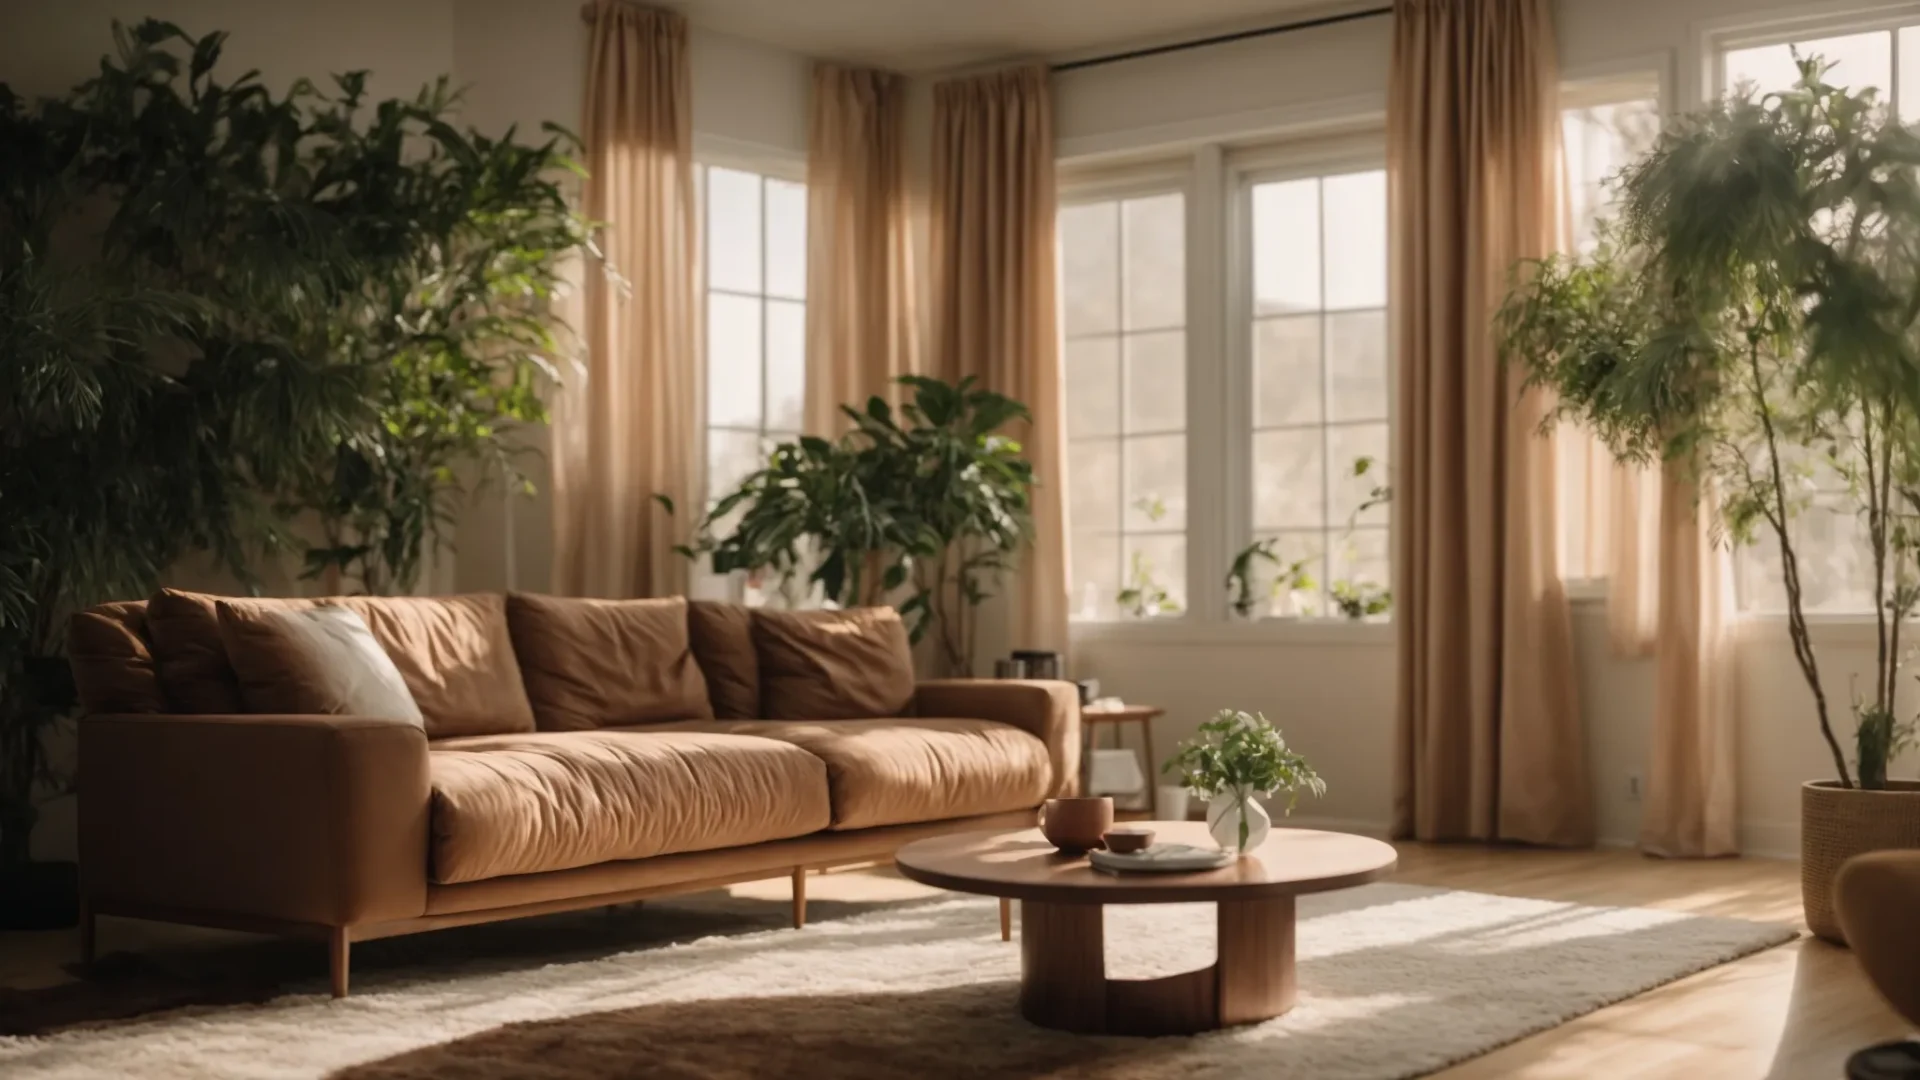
[[573, 754]]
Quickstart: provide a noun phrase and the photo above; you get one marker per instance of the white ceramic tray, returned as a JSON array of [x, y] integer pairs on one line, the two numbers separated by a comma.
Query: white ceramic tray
[[1162, 859]]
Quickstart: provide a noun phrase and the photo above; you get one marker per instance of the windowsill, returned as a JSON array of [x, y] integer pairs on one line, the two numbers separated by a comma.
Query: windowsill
[[1192, 632]]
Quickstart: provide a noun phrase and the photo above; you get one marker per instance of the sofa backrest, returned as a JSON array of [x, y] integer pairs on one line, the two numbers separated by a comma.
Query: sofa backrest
[[454, 653], [457, 655]]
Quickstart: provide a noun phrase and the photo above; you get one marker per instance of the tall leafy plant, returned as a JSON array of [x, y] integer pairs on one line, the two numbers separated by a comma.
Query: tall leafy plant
[[930, 503], [150, 388], [1754, 316], [463, 239], [220, 307]]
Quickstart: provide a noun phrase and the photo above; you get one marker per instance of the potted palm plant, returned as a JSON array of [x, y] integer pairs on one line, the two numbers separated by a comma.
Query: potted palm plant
[[1753, 316]]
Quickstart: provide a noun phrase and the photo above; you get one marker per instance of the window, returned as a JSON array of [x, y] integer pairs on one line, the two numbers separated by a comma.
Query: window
[[1123, 299], [1604, 126], [1829, 537], [1321, 382], [753, 242]]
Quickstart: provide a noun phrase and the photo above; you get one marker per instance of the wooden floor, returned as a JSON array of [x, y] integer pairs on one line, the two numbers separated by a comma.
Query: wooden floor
[[1791, 1013]]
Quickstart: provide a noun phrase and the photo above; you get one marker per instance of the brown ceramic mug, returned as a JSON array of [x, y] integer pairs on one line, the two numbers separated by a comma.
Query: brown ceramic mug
[[1076, 825]]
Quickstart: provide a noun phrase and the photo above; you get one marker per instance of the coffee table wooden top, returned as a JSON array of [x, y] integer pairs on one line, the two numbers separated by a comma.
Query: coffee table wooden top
[[1021, 865]]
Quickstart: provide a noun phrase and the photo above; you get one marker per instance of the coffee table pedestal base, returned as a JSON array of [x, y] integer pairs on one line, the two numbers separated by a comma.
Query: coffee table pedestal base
[[1064, 984]]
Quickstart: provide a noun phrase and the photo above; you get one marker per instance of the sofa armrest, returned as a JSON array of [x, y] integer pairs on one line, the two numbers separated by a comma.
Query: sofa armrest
[[307, 819], [1049, 708]]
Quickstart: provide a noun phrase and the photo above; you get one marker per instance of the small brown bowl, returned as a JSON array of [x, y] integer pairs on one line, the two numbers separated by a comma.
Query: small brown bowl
[[1127, 841]]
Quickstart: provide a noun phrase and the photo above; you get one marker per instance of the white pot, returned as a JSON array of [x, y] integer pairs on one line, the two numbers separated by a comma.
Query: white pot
[[1172, 804], [1282, 605], [1237, 821]]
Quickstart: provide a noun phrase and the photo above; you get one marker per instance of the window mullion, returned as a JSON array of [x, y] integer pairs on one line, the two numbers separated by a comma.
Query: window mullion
[[1216, 515]]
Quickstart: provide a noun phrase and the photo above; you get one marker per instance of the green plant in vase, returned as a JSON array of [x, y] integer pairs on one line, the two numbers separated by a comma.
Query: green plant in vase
[[1236, 757]]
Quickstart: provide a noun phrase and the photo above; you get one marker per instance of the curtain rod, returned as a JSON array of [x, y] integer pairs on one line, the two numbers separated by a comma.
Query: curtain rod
[[1221, 39]]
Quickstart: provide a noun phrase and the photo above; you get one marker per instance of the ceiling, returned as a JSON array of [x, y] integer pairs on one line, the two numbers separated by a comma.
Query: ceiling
[[919, 36]]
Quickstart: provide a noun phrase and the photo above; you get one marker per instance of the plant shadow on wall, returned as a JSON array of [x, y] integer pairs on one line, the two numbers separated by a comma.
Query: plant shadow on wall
[[1753, 318], [931, 506], [225, 311]]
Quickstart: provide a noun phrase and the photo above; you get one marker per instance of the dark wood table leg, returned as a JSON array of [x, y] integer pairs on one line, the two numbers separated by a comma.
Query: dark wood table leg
[[1256, 966], [1063, 966]]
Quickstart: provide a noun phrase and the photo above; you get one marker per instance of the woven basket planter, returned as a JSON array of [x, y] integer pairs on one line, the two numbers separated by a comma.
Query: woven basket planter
[[1838, 823]]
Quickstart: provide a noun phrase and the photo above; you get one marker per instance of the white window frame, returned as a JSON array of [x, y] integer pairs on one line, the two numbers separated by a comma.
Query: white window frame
[[1138, 181], [1714, 38], [1246, 168], [1216, 181], [773, 164]]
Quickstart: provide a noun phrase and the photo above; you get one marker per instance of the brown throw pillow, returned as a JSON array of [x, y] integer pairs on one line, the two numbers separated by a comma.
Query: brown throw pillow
[[457, 657], [183, 630], [319, 659], [111, 661], [723, 643], [453, 651], [603, 663], [833, 665]]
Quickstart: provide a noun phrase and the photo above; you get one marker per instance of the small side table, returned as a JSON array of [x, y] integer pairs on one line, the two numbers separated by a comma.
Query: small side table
[[1090, 724]]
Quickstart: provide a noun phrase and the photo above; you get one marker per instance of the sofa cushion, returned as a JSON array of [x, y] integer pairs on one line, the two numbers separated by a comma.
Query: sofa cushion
[[183, 631], [524, 804], [833, 665], [314, 661], [722, 637], [453, 651], [896, 772], [602, 663], [111, 661]]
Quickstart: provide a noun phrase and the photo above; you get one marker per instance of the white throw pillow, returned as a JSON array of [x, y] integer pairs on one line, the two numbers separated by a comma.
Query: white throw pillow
[[342, 660]]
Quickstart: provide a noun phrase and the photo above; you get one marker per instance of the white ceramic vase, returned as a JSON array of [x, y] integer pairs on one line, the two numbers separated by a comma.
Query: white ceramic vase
[[1237, 821]]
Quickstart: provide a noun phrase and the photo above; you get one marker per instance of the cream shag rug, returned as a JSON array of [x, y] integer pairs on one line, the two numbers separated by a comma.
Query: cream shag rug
[[1395, 981]]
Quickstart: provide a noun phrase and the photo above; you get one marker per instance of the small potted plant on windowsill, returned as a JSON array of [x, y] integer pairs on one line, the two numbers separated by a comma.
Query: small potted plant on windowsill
[[1360, 601], [1143, 596], [1236, 757], [1288, 580]]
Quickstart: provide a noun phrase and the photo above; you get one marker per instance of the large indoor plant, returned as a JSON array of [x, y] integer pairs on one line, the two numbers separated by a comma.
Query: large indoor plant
[[1236, 758], [929, 506], [211, 295], [1751, 318], [462, 240]]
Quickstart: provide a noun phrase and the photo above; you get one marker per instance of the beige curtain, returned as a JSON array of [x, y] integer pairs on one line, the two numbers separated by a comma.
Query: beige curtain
[[1691, 795], [860, 305], [991, 259], [626, 432], [1489, 738]]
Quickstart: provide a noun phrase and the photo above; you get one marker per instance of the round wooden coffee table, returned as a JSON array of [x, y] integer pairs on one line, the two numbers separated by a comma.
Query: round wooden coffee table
[[1063, 978]]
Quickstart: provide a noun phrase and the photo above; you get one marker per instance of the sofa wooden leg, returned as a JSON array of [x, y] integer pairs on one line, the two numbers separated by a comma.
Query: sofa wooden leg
[[1006, 919], [799, 897], [87, 934], [338, 947]]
